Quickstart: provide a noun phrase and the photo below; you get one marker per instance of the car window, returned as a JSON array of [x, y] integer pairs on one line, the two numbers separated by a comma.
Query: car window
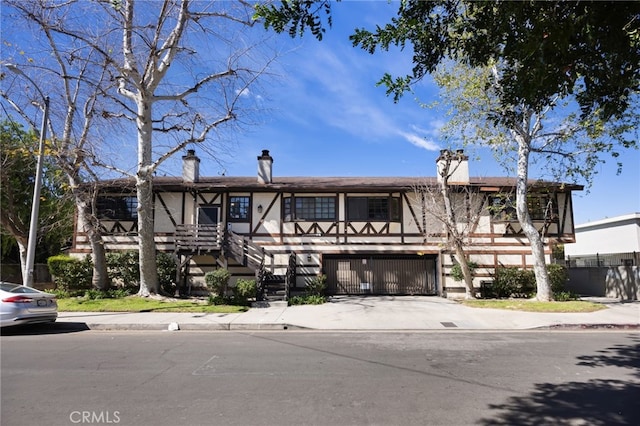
[[24, 290], [8, 286], [14, 288]]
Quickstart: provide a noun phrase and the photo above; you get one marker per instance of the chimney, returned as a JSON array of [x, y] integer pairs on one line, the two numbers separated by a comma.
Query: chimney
[[265, 167], [190, 167], [458, 166]]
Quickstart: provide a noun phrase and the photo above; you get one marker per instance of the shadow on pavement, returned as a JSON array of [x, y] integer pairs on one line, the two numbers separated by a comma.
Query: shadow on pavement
[[37, 329], [596, 402]]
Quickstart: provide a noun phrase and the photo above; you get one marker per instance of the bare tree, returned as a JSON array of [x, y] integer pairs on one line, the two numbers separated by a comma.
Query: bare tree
[[183, 70], [453, 206], [75, 79]]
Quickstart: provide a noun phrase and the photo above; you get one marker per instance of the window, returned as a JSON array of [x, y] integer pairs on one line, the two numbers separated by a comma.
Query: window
[[540, 206], [309, 208], [239, 209], [117, 208], [385, 209], [503, 207]]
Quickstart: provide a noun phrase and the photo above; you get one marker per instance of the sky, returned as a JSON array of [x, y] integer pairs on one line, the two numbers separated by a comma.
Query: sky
[[324, 115], [329, 118]]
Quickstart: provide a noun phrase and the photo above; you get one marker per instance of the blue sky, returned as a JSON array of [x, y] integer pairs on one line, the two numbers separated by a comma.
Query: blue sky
[[327, 117], [323, 115]]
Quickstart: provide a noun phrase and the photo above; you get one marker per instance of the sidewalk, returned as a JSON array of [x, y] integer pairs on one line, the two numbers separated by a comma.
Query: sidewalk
[[366, 313]]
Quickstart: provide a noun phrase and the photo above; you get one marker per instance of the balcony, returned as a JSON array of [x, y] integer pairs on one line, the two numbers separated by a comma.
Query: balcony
[[199, 238]]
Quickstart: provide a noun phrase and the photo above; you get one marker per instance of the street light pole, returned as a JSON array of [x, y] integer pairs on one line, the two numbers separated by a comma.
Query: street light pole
[[35, 206]]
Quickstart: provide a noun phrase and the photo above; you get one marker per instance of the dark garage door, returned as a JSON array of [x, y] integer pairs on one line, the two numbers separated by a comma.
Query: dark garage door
[[380, 274]]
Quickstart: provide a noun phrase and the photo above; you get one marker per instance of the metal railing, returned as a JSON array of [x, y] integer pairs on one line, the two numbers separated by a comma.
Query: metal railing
[[603, 260], [192, 238]]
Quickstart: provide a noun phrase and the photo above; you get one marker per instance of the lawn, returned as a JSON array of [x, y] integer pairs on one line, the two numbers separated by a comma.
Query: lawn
[[139, 304], [573, 306]]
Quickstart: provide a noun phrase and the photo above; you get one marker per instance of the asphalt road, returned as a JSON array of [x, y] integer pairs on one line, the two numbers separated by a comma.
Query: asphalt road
[[62, 376]]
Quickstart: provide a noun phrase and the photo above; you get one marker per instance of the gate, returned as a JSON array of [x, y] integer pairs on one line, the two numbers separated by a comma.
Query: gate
[[376, 274]]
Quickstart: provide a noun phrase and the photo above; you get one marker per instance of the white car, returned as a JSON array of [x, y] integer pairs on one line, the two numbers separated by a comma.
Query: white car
[[25, 305]]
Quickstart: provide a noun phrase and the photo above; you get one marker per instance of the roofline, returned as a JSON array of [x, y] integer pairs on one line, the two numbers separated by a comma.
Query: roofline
[[306, 184], [621, 220]]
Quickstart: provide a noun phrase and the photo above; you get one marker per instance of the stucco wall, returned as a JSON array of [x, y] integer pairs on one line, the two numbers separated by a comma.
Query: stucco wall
[[615, 235], [620, 282]]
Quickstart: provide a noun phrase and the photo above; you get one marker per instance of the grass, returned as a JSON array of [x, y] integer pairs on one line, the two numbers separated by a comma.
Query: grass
[[139, 304], [573, 306]]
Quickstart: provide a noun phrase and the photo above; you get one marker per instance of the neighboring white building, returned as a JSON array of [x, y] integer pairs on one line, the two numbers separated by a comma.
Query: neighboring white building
[[604, 260], [619, 234]]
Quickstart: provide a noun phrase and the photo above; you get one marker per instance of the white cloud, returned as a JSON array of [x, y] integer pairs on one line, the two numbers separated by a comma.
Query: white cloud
[[244, 92], [420, 141]]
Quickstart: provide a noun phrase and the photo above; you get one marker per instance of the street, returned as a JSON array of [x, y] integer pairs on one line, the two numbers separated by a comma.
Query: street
[[62, 376]]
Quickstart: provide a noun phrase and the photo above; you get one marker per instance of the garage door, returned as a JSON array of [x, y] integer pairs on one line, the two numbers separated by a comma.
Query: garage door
[[379, 274]]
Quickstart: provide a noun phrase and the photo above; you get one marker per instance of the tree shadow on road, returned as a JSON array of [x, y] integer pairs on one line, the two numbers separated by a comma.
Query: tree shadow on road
[[596, 402]]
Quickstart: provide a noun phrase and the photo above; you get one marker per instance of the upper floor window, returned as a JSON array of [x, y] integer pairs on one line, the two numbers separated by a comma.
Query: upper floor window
[[540, 206], [117, 208], [309, 208], [239, 209], [384, 209]]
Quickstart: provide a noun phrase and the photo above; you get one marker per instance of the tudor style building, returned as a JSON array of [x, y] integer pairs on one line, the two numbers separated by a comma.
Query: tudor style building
[[368, 235]]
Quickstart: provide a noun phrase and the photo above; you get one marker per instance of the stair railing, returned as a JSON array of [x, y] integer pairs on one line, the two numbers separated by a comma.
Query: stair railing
[[290, 278]]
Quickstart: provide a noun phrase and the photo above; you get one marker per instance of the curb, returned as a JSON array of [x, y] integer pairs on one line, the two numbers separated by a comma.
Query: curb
[[590, 327], [283, 327], [195, 327]]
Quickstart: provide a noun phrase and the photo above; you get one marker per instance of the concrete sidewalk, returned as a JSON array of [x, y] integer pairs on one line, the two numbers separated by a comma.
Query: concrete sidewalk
[[367, 313]]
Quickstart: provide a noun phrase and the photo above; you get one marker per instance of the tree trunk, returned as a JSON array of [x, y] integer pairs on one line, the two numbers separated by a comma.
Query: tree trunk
[[452, 228], [466, 271], [543, 286], [90, 226], [144, 188]]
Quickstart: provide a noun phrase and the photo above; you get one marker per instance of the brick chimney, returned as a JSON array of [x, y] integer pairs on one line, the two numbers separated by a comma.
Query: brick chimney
[[265, 167], [458, 166], [190, 167]]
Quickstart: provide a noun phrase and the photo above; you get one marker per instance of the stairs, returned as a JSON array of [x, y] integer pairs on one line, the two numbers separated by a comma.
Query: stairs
[[271, 287]]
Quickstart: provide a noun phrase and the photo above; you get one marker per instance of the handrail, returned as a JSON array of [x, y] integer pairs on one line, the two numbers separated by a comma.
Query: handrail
[[206, 238], [245, 251], [291, 275]]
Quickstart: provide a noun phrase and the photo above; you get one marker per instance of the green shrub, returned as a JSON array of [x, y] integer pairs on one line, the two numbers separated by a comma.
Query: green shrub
[[244, 290], [218, 281], [307, 300], [93, 294], [166, 272], [456, 270], [564, 296], [70, 273], [60, 293], [558, 276], [513, 282], [56, 264], [214, 299], [115, 293], [317, 286], [123, 268]]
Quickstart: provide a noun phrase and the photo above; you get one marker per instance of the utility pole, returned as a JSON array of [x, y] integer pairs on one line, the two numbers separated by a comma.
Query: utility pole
[[27, 274]]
